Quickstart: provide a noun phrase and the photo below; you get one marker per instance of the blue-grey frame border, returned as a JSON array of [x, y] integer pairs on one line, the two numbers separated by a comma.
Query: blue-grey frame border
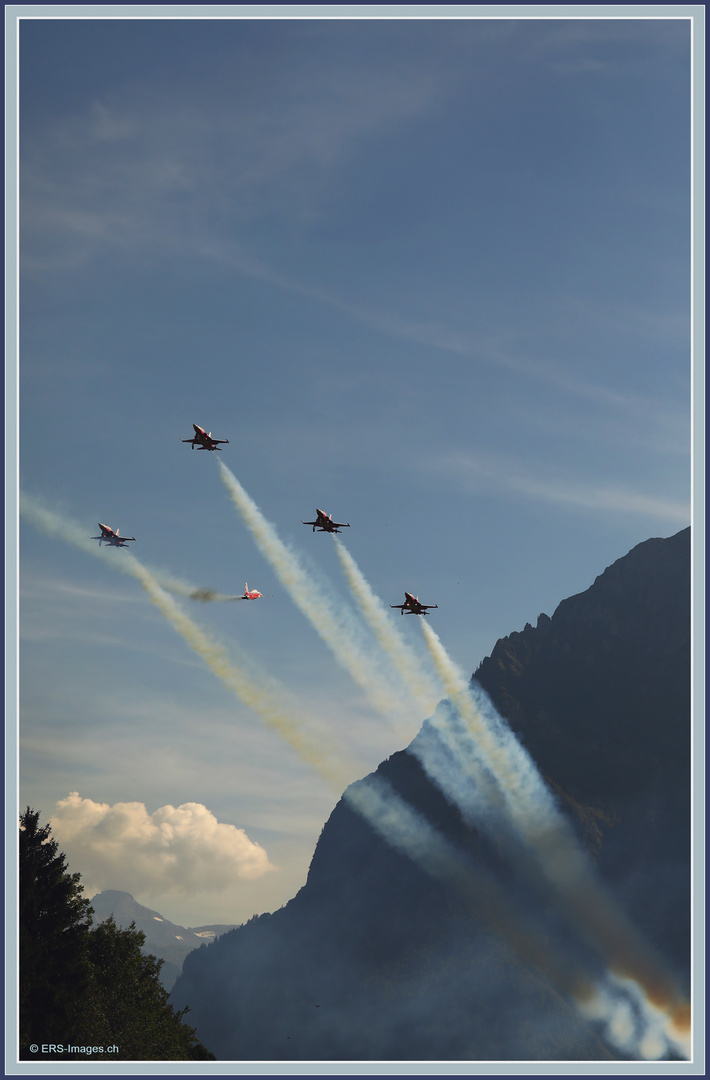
[[13, 15]]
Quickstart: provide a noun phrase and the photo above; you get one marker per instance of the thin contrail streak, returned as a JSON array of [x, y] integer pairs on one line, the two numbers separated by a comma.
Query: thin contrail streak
[[332, 621], [549, 837], [262, 695]]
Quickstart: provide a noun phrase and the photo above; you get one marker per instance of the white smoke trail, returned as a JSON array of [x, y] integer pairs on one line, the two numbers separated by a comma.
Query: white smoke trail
[[492, 758], [549, 837], [622, 1012], [615, 1002], [477, 787], [448, 755], [263, 695], [520, 783], [407, 830], [412, 833], [330, 618], [505, 776], [632, 1023], [379, 619]]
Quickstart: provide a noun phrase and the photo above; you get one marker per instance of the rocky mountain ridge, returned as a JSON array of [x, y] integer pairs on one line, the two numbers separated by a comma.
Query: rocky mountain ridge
[[374, 959], [164, 939]]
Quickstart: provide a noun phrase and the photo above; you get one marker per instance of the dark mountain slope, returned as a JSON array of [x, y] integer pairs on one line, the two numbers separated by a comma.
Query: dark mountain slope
[[600, 693], [375, 959], [600, 696]]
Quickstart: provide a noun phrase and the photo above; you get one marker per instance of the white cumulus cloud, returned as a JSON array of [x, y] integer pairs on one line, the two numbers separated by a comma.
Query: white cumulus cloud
[[180, 849]]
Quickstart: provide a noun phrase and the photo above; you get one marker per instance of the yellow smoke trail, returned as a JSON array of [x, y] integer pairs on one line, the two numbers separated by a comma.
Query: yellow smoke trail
[[380, 622], [276, 714], [262, 696], [398, 823], [551, 839], [53, 524], [257, 696], [528, 801], [543, 831], [336, 629]]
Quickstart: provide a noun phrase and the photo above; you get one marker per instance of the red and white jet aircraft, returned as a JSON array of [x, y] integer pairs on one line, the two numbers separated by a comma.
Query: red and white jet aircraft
[[249, 594], [111, 537], [203, 439], [411, 606], [324, 523]]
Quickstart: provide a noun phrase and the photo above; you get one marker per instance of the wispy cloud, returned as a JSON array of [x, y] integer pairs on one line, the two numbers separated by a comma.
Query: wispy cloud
[[571, 46], [662, 425], [486, 472], [140, 172], [141, 169]]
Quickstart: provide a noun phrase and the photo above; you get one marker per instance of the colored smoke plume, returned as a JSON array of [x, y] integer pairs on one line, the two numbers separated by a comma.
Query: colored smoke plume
[[262, 694], [548, 836], [332, 620]]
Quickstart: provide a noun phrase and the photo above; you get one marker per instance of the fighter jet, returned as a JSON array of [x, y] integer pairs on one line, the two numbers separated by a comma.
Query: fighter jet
[[203, 439], [411, 606], [111, 537], [249, 594], [324, 523]]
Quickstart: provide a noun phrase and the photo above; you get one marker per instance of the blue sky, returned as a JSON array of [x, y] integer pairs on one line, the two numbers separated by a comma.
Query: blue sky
[[430, 275]]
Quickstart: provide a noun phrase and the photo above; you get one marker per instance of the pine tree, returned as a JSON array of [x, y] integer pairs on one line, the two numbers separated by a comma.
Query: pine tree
[[84, 986], [54, 920], [132, 1003]]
